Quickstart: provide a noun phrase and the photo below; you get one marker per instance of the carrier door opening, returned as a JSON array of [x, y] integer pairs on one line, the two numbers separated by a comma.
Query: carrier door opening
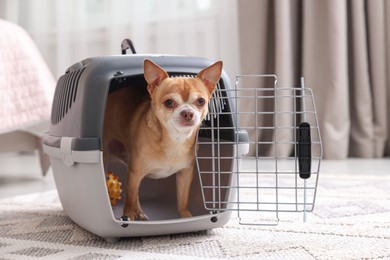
[[157, 196]]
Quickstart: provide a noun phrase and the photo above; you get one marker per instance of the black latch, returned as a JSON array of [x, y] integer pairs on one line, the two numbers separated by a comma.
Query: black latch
[[304, 150]]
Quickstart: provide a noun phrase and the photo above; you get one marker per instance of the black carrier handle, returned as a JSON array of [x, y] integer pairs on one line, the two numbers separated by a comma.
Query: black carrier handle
[[304, 150], [127, 44]]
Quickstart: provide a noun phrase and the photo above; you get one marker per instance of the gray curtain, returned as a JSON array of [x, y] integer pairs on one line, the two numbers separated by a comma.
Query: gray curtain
[[341, 48]]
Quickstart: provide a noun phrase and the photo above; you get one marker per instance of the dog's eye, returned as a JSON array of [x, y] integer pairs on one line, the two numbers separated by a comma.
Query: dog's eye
[[169, 103], [201, 101]]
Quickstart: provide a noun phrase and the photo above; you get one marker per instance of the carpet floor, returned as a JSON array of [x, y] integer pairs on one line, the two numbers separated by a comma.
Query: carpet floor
[[351, 221]]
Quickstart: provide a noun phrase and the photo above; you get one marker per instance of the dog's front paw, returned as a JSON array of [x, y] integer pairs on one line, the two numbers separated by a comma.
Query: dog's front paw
[[141, 216], [185, 214], [137, 215]]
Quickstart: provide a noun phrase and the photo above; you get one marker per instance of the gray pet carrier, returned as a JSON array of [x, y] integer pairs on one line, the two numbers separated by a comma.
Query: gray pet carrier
[[224, 181]]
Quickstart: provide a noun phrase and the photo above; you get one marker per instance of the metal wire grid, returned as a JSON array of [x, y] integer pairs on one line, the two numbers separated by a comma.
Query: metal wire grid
[[267, 179]]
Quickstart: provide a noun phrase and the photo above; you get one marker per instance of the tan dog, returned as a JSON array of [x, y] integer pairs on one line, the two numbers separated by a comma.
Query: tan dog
[[157, 129]]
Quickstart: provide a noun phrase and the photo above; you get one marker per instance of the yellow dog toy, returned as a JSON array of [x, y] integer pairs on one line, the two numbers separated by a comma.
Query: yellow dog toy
[[114, 188]]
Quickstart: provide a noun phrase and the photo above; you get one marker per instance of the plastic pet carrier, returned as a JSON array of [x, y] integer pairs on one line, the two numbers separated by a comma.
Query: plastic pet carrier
[[266, 181]]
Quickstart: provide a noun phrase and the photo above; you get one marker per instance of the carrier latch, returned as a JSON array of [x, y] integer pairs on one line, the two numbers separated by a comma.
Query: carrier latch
[[72, 150], [66, 149]]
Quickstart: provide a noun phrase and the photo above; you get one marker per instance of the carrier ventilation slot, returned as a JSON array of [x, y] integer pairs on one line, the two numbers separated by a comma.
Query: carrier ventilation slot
[[217, 103], [65, 95]]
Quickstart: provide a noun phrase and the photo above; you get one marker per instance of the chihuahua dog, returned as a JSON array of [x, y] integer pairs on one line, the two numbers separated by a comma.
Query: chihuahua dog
[[156, 127]]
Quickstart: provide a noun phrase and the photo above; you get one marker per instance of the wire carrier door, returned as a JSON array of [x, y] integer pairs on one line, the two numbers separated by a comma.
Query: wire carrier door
[[283, 145]]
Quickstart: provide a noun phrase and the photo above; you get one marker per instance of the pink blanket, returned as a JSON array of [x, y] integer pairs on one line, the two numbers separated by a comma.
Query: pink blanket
[[26, 84]]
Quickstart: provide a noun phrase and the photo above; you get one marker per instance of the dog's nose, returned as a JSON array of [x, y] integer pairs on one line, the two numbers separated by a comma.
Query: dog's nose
[[187, 115]]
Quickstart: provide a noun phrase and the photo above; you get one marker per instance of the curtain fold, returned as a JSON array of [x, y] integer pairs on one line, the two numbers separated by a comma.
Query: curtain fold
[[387, 54], [324, 65], [360, 95], [341, 48], [376, 52]]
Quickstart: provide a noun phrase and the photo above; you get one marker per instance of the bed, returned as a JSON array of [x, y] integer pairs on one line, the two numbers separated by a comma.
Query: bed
[[26, 90]]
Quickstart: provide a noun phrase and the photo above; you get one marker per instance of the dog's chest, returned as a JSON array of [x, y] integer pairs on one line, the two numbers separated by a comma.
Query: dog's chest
[[167, 165]]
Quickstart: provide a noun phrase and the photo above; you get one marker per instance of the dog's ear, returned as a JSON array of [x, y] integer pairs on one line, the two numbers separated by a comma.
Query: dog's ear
[[153, 74], [210, 75]]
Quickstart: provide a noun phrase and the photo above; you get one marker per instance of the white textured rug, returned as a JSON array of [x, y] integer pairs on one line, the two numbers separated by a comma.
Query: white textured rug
[[351, 221]]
